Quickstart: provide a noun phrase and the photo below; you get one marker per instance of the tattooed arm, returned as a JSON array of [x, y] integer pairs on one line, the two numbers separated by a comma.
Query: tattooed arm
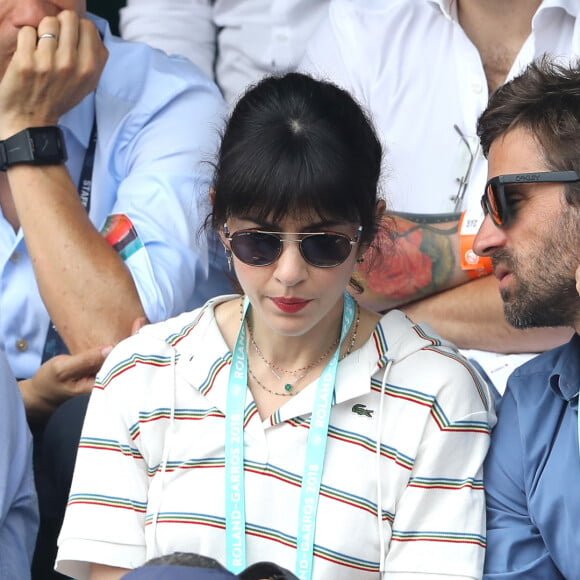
[[419, 259], [419, 271]]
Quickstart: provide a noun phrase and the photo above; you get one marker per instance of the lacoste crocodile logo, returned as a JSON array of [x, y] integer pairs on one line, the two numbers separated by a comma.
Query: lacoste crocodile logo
[[361, 409]]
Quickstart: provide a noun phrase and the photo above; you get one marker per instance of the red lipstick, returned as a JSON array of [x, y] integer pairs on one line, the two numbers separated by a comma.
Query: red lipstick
[[290, 305]]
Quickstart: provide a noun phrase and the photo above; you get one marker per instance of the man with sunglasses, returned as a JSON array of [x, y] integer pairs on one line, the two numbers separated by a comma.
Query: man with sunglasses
[[530, 133], [425, 70]]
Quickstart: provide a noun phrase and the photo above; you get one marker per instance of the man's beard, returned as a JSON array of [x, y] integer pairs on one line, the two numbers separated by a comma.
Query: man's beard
[[548, 299]]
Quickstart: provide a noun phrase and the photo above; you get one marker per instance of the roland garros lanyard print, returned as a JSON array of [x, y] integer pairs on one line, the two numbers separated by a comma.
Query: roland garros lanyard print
[[314, 459]]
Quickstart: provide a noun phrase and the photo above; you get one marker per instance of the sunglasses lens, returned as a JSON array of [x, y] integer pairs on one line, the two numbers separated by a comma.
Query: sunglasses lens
[[255, 248], [326, 250], [493, 204]]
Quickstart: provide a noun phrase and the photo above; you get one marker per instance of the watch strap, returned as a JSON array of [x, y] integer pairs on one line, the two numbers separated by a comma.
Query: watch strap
[[23, 148]]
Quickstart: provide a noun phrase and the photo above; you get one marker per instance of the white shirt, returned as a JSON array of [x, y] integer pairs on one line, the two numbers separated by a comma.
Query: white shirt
[[149, 477], [411, 65], [238, 41]]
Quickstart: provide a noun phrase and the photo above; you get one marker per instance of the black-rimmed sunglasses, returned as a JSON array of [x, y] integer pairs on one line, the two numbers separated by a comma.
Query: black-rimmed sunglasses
[[262, 248], [495, 201]]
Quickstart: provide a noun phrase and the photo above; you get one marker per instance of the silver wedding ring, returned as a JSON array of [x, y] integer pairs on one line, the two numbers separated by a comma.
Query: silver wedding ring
[[47, 35]]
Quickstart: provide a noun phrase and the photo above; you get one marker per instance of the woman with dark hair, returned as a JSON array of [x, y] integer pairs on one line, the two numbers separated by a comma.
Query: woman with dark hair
[[286, 424]]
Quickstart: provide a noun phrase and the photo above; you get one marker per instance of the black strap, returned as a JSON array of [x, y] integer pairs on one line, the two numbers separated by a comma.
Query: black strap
[[54, 344]]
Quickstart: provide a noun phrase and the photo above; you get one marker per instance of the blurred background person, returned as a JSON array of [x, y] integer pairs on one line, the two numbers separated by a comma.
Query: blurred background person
[[235, 42], [424, 69]]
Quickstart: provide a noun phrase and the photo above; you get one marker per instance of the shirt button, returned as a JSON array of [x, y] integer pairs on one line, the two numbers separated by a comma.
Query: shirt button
[[21, 345], [15, 257]]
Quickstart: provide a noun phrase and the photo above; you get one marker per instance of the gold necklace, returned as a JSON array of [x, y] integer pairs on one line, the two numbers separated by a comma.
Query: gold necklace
[[286, 393], [289, 387], [354, 332], [273, 367]]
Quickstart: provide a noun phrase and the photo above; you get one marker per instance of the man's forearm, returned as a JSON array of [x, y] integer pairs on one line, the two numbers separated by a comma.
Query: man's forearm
[[421, 259], [87, 289], [420, 272], [471, 316]]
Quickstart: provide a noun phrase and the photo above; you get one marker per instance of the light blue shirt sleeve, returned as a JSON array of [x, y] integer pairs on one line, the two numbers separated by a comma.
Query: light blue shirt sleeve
[[18, 504], [158, 123]]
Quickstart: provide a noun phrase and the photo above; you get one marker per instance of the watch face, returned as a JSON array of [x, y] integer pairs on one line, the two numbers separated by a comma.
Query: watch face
[[47, 144]]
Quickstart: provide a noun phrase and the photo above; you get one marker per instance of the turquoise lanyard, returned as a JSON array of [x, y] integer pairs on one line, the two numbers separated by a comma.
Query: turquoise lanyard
[[314, 461]]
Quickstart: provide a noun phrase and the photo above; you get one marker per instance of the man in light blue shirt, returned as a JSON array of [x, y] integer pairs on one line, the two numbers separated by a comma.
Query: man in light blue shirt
[[139, 253], [530, 133], [104, 156], [18, 509]]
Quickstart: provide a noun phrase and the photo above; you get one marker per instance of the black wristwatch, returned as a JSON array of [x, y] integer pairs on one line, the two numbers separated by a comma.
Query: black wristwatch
[[33, 146]]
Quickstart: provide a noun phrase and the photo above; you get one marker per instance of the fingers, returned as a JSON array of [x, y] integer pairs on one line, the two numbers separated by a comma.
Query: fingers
[[53, 68], [47, 44], [92, 52], [49, 28], [78, 366], [68, 25]]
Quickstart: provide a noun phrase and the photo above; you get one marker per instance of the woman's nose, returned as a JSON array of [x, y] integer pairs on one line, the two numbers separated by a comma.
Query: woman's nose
[[291, 268]]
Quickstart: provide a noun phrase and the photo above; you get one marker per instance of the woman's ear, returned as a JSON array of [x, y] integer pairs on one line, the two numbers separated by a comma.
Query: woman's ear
[[223, 237], [212, 196], [380, 210], [381, 207]]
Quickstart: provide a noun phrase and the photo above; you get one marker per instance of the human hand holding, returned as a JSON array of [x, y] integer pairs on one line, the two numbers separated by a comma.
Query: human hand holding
[[47, 76], [59, 379]]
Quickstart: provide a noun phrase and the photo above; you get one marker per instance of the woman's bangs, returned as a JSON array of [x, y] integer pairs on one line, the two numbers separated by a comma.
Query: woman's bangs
[[289, 186]]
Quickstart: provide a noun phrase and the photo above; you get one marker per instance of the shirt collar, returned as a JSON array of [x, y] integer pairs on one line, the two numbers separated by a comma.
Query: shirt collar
[[572, 7], [78, 121], [565, 377], [449, 7]]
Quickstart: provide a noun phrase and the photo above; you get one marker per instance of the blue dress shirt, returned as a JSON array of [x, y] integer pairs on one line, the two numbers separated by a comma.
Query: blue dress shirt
[[532, 472], [158, 121], [18, 507]]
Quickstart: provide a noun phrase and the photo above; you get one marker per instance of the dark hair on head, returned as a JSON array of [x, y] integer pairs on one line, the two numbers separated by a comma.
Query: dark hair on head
[[294, 146], [544, 100], [185, 559]]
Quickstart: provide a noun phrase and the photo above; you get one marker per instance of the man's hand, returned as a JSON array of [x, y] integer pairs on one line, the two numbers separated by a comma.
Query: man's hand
[[48, 76], [59, 379]]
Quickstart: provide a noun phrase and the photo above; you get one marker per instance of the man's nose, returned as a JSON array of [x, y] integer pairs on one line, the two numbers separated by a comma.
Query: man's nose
[[488, 239], [30, 12]]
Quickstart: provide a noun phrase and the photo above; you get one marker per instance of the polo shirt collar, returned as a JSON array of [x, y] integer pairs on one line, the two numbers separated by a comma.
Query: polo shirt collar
[[565, 377]]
